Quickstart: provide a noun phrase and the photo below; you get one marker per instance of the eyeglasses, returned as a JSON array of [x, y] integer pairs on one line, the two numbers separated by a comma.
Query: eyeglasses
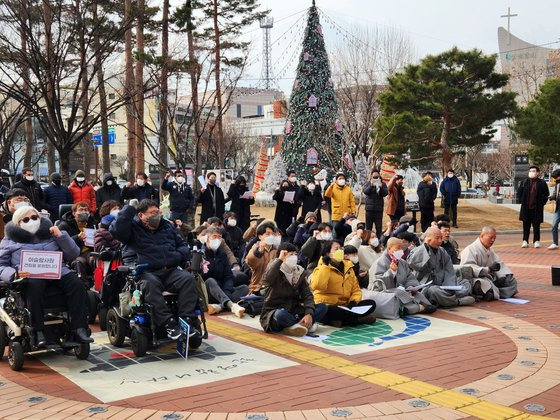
[[27, 219]]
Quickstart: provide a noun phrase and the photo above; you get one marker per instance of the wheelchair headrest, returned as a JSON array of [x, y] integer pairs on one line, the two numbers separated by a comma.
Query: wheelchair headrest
[[63, 209]]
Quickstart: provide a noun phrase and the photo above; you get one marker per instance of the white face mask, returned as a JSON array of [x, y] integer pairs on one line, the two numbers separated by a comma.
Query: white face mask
[[532, 174], [291, 261], [32, 226], [109, 183], [214, 244], [202, 238], [292, 179], [20, 204], [277, 241], [450, 175], [114, 213], [325, 236], [341, 182], [354, 259], [29, 177], [374, 242], [269, 240], [398, 254], [232, 222], [311, 187], [80, 179], [180, 179], [140, 182]]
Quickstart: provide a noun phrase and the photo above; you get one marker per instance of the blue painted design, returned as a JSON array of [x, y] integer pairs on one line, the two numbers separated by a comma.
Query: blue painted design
[[414, 325]]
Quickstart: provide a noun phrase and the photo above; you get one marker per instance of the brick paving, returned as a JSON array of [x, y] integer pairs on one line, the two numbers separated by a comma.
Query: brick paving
[[312, 389]]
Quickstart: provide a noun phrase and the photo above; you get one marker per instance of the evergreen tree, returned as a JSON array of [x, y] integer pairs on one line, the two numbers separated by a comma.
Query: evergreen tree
[[312, 115]]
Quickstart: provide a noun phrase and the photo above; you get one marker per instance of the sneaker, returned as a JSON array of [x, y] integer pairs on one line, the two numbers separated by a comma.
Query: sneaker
[[313, 328], [237, 310], [537, 244], [466, 300], [296, 330], [553, 246], [214, 308], [172, 329], [525, 244]]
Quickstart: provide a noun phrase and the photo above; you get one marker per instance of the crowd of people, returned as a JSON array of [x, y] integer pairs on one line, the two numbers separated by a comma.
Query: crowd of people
[[296, 271]]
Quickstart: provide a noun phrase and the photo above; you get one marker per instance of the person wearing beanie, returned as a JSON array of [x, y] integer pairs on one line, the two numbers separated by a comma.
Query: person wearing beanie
[[342, 197], [109, 191], [83, 191], [34, 191], [29, 231], [305, 230], [427, 193], [55, 195]]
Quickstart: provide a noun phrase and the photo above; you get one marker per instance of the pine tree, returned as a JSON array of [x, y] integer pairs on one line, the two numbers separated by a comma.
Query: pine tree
[[312, 115], [275, 173]]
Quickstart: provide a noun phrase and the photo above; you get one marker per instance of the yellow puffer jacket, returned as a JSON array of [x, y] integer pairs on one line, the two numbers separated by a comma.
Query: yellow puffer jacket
[[342, 200], [332, 288]]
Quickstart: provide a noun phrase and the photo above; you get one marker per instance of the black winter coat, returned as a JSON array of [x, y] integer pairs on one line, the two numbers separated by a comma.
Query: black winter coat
[[426, 195], [34, 191], [159, 248], [207, 202], [284, 213], [523, 192], [55, 195], [282, 294], [374, 196], [235, 240], [241, 207], [218, 269], [140, 193], [181, 197], [108, 192], [311, 201]]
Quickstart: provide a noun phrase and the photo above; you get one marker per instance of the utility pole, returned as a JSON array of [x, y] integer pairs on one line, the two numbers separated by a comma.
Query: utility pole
[[266, 25]]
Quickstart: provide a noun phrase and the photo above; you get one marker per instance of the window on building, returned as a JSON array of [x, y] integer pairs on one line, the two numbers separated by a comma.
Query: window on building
[[238, 110], [112, 116], [111, 96], [259, 110]]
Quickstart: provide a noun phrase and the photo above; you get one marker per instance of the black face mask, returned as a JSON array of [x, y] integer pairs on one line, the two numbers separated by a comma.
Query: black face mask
[[57, 181]]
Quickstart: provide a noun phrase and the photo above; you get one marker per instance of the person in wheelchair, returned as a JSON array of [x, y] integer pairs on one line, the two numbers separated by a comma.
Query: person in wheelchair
[[75, 222], [103, 240], [29, 231], [157, 244]]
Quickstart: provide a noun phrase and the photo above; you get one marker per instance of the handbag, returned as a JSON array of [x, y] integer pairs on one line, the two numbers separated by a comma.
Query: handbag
[[387, 304]]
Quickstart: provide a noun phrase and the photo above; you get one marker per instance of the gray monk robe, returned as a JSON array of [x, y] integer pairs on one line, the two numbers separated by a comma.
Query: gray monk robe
[[435, 265], [489, 271], [383, 279]]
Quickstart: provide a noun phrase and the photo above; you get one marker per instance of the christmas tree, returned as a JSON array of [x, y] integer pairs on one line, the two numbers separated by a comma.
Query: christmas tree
[[312, 116], [275, 174]]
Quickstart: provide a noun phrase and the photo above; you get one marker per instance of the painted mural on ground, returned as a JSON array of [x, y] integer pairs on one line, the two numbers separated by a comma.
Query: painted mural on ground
[[383, 334], [112, 374]]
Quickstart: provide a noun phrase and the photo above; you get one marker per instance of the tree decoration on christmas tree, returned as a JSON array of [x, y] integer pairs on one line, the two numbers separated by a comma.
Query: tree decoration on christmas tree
[[275, 173], [313, 108], [288, 127]]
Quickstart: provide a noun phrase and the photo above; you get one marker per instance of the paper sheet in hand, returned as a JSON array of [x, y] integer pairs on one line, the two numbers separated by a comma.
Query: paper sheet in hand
[[41, 264], [202, 181], [360, 310], [289, 196], [247, 195], [416, 288], [89, 237], [451, 287], [515, 301]]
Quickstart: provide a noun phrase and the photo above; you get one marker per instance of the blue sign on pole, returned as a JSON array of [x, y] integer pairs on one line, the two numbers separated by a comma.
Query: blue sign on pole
[[97, 137]]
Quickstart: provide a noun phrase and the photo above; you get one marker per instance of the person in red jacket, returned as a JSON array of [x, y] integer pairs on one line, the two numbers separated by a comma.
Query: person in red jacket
[[82, 190]]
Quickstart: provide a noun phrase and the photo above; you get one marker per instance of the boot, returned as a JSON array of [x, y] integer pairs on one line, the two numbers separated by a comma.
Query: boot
[[82, 336], [41, 340]]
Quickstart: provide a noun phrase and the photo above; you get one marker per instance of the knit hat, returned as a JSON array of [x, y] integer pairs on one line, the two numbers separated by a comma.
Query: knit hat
[[310, 214], [21, 212], [55, 175], [78, 173]]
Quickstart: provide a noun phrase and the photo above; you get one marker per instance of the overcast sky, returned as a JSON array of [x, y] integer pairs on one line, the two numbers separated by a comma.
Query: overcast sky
[[433, 26]]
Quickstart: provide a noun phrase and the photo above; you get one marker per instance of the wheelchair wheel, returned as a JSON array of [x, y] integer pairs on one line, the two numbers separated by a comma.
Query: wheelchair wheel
[[82, 351], [92, 307], [3, 339], [103, 317], [139, 342], [195, 341], [116, 328], [15, 355]]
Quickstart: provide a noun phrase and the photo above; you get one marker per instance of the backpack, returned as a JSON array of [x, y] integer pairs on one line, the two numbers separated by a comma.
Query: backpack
[[253, 305]]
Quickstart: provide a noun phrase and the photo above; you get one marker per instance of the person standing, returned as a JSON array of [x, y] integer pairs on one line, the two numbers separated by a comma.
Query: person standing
[[212, 199], [396, 198], [450, 188], [556, 219], [82, 191], [533, 194], [312, 200], [140, 190], [181, 198], [342, 197], [284, 214], [55, 195], [240, 206], [375, 190], [427, 193], [109, 191], [32, 188]]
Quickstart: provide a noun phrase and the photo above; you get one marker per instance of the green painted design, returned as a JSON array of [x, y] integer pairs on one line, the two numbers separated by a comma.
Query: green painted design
[[361, 334]]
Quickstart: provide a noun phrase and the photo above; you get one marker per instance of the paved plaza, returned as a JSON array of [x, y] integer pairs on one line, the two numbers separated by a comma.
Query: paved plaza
[[493, 360]]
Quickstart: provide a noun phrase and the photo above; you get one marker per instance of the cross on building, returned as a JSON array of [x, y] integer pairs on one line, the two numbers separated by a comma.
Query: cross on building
[[508, 16]]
